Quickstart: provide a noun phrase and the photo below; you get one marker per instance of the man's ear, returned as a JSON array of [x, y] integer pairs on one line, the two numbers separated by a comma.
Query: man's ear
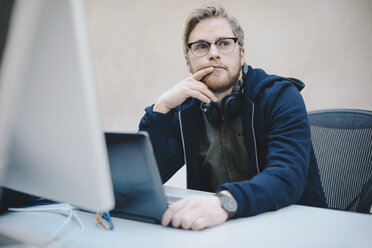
[[188, 64], [242, 53]]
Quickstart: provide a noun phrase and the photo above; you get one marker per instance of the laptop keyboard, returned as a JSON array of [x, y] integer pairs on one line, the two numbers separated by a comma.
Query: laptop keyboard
[[172, 199]]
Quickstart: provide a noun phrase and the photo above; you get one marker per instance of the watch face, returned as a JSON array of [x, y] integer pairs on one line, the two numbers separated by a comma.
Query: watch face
[[229, 204]]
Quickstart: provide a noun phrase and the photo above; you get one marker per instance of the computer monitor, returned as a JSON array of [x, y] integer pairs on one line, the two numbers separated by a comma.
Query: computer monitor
[[55, 147], [5, 108]]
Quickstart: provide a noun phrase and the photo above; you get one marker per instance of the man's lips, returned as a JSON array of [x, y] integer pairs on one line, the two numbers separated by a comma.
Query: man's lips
[[214, 66], [218, 67]]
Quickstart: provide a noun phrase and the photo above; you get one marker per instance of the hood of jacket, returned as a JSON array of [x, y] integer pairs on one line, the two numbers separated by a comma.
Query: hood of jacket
[[257, 80]]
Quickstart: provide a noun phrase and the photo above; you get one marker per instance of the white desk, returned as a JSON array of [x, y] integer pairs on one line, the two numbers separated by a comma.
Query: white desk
[[293, 226]]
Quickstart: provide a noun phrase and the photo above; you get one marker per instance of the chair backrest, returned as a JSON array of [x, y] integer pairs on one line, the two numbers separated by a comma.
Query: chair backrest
[[342, 141]]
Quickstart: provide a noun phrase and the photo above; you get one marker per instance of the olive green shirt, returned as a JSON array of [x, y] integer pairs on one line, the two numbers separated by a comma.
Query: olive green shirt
[[223, 153]]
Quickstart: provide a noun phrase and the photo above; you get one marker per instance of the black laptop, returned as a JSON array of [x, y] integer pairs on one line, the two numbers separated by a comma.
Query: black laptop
[[139, 193]]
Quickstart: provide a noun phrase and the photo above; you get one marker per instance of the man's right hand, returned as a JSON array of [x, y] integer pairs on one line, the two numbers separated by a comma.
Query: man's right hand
[[190, 87]]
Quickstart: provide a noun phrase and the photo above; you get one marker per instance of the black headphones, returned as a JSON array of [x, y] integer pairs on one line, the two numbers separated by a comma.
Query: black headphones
[[230, 105], [230, 109]]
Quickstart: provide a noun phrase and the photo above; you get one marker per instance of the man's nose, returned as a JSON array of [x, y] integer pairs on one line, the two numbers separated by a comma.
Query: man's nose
[[213, 51]]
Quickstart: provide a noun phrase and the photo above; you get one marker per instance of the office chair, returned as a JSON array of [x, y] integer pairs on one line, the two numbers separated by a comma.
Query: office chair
[[342, 141]]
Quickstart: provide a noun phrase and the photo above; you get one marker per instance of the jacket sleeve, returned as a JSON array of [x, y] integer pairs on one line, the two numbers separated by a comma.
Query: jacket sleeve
[[166, 140], [285, 151]]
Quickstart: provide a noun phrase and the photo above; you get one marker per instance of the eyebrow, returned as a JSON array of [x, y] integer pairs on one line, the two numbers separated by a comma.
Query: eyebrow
[[224, 37], [198, 41]]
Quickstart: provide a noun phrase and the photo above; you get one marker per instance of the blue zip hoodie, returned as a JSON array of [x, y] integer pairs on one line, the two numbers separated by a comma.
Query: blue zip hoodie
[[277, 139]]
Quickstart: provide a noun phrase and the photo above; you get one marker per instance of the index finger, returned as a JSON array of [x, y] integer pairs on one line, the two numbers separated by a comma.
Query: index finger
[[200, 74]]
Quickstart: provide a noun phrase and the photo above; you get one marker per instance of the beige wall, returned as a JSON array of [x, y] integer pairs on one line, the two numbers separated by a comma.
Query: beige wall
[[137, 47], [138, 54]]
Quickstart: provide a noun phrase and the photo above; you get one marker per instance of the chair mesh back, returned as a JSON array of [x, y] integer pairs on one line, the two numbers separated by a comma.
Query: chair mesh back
[[342, 141]]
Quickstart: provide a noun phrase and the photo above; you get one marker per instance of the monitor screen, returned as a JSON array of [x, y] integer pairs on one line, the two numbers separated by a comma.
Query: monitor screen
[[55, 147], [5, 106]]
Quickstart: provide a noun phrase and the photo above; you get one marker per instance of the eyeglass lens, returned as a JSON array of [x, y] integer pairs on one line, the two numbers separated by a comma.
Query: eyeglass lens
[[201, 48]]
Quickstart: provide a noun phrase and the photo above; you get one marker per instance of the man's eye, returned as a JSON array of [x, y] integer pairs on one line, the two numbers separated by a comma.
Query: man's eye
[[224, 43], [201, 46]]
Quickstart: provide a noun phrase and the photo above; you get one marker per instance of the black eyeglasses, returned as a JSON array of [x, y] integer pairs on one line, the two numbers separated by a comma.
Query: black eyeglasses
[[201, 48]]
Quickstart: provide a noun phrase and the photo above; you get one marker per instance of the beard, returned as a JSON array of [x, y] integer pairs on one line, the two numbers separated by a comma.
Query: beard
[[220, 81]]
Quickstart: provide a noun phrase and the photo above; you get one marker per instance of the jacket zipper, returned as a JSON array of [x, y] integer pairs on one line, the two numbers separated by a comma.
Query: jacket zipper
[[183, 141], [254, 140]]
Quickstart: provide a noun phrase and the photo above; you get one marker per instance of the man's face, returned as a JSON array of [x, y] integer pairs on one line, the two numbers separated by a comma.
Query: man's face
[[227, 66]]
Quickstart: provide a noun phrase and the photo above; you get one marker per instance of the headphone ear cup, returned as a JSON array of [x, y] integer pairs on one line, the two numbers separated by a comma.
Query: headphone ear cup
[[230, 106], [212, 113]]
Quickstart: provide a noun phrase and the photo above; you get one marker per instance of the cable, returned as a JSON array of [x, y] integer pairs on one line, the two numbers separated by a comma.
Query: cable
[[79, 234], [64, 209], [55, 234]]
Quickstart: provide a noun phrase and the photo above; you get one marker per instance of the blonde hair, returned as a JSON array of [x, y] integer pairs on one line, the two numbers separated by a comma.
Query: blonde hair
[[207, 11]]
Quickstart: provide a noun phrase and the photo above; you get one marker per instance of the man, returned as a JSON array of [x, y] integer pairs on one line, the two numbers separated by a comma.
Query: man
[[240, 132]]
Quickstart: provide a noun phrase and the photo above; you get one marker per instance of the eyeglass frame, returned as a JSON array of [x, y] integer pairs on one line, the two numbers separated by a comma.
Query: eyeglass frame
[[235, 39]]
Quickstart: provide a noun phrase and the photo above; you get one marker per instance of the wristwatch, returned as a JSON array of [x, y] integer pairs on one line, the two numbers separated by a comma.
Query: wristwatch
[[228, 203]]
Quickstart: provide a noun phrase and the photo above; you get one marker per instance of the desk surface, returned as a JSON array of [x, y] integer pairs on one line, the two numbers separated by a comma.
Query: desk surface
[[293, 226]]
